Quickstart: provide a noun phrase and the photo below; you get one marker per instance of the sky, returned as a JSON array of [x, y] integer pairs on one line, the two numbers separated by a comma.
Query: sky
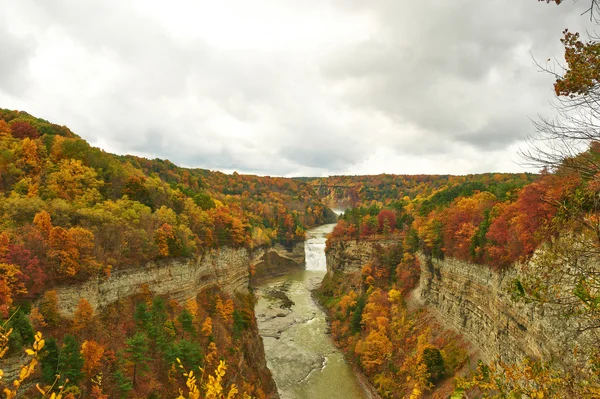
[[290, 87]]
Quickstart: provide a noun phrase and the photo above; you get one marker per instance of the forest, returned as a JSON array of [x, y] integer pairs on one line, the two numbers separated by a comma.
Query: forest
[[72, 212], [546, 226]]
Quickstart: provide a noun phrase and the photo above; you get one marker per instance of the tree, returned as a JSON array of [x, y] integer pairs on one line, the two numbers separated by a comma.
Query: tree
[[11, 284], [82, 318], [92, 353], [137, 349], [559, 140], [21, 130], [49, 359], [569, 145], [386, 220], [593, 10], [49, 308], [187, 321], [431, 357], [70, 362]]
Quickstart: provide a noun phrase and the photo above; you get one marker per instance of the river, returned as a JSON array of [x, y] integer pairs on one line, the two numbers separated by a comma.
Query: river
[[300, 354]]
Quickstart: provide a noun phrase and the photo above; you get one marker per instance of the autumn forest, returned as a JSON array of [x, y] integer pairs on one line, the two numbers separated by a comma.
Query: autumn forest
[[128, 277]]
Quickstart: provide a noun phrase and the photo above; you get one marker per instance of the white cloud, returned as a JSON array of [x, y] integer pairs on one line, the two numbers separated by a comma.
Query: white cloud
[[288, 88]]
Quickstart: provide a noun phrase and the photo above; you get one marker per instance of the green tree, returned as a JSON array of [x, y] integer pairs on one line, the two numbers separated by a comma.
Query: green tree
[[49, 360], [187, 321], [70, 361], [137, 349]]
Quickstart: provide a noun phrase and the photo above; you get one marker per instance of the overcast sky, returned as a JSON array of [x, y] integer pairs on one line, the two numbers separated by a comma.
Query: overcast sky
[[289, 87]]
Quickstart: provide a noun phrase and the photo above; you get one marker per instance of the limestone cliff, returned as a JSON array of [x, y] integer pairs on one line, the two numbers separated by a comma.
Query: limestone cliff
[[277, 260], [179, 279], [351, 256], [478, 303]]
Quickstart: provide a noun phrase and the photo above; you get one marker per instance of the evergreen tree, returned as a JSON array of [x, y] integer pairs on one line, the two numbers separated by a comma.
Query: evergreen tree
[[70, 361], [49, 361], [187, 321], [137, 348]]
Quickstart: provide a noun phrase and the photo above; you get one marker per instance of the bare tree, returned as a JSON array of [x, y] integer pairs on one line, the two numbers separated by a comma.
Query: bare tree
[[593, 10]]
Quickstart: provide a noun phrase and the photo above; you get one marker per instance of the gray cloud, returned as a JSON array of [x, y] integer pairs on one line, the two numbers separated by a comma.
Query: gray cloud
[[317, 89], [15, 52]]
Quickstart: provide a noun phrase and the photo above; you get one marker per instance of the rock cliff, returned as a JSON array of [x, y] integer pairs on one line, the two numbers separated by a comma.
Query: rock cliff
[[179, 279], [351, 256], [277, 260], [478, 303]]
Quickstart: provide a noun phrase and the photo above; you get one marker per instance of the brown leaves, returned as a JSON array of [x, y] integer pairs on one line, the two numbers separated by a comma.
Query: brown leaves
[[583, 61]]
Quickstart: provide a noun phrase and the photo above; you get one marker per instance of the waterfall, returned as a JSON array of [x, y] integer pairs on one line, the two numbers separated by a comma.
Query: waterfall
[[314, 247]]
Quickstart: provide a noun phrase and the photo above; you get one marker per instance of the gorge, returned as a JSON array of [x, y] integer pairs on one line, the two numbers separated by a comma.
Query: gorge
[[303, 359]]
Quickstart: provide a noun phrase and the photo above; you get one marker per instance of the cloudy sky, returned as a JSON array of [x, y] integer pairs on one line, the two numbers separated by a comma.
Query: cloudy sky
[[289, 87]]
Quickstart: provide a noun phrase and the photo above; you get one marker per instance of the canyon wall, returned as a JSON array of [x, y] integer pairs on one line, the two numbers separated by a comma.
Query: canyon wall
[[277, 261], [478, 303], [350, 256], [180, 279]]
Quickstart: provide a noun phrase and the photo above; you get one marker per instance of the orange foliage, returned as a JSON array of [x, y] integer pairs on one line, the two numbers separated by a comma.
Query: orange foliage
[[83, 315], [92, 353]]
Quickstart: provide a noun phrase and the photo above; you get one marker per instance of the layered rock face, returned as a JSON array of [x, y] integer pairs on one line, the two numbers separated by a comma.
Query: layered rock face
[[478, 303], [180, 279], [351, 256], [277, 261]]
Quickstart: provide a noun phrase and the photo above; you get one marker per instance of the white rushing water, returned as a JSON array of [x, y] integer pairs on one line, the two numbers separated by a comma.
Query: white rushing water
[[314, 247], [300, 353]]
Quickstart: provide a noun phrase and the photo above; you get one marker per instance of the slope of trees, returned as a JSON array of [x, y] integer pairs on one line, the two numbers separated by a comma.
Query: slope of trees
[[70, 212], [403, 352]]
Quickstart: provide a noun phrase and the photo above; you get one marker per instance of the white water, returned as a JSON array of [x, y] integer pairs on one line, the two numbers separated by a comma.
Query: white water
[[314, 247], [300, 353]]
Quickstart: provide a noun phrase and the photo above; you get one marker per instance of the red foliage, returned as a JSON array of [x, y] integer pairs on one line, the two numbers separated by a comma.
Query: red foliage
[[520, 227], [386, 216], [34, 277], [461, 222], [20, 130]]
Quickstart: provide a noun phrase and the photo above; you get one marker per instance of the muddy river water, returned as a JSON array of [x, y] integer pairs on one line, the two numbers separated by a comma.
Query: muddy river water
[[301, 355]]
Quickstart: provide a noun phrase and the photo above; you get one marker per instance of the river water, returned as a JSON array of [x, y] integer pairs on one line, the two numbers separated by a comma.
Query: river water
[[300, 354]]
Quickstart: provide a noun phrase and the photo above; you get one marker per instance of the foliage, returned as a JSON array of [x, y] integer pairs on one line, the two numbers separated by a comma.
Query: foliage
[[531, 379]]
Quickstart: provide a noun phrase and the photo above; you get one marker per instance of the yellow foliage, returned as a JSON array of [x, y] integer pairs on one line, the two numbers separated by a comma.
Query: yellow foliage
[[27, 369], [225, 310], [207, 327], [213, 388], [192, 307], [529, 379]]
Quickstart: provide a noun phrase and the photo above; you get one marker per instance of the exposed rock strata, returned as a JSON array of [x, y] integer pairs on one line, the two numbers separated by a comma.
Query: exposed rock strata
[[180, 279], [351, 256], [478, 303], [278, 260]]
